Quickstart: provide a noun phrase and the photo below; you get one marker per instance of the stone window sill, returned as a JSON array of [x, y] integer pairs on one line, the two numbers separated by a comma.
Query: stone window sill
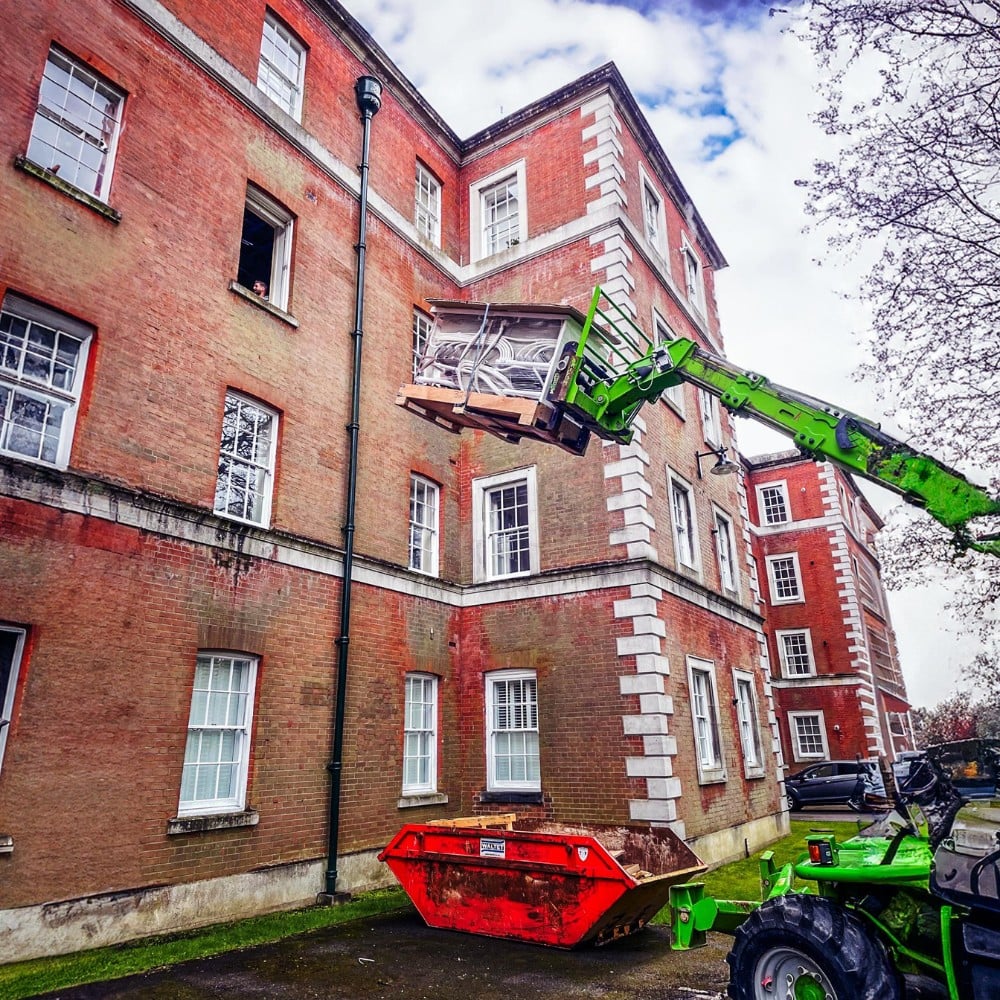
[[430, 799], [205, 824], [70, 190], [713, 777], [255, 299]]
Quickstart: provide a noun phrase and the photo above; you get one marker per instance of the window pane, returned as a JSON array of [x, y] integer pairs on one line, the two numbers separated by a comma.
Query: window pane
[[421, 331], [651, 213], [509, 542], [76, 124], [245, 457], [795, 652], [218, 733], [423, 525], [500, 216], [420, 734], [724, 547], [280, 71], [810, 737], [683, 527], [427, 205], [774, 508], [786, 582], [514, 737]]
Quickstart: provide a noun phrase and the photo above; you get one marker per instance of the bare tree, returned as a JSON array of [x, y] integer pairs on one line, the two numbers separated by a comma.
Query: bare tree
[[912, 95]]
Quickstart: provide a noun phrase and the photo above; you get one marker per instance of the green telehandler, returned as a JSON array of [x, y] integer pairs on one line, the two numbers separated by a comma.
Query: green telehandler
[[910, 908]]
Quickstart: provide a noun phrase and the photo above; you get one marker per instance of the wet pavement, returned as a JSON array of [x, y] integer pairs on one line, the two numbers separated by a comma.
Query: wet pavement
[[397, 957]]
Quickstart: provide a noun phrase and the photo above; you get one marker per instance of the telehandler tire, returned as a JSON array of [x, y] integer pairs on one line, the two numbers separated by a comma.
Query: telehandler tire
[[802, 947]]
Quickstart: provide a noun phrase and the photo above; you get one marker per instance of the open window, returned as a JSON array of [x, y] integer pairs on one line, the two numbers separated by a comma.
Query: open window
[[266, 248], [11, 650]]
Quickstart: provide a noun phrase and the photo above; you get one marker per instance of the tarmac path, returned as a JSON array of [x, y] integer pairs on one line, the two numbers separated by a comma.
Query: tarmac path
[[396, 957]]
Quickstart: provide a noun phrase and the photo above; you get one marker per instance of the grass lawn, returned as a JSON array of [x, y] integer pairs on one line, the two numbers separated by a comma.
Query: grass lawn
[[739, 880]]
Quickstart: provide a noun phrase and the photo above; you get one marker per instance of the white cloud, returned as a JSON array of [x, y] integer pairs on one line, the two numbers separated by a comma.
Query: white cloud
[[701, 84]]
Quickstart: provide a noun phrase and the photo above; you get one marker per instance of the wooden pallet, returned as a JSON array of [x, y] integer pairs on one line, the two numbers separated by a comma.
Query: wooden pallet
[[508, 417], [504, 821]]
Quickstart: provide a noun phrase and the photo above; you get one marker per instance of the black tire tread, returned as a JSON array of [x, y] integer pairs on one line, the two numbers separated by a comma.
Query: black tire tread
[[831, 936]]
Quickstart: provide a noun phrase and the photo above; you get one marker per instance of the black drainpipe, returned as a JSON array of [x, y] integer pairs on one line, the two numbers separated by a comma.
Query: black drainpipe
[[368, 91]]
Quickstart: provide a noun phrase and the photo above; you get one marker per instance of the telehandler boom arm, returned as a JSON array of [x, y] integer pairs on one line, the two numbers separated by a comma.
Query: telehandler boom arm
[[616, 369]]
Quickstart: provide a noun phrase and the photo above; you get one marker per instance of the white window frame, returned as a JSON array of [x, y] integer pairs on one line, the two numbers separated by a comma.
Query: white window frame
[[694, 274], [686, 545], [261, 462], [725, 539], [420, 734], [282, 84], [65, 115], [674, 396], [422, 326], [282, 224], [803, 634], [795, 736], [241, 727], [425, 514], [529, 783], [7, 694], [705, 720], [427, 204], [780, 488], [481, 532], [711, 418], [897, 723], [748, 722], [799, 597], [846, 508], [39, 381], [654, 227], [478, 213]]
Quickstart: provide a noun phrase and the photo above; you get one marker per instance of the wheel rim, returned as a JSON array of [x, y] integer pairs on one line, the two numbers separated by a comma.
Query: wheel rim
[[787, 974]]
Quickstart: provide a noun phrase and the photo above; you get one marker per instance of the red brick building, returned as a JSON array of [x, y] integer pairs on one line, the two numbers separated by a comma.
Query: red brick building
[[529, 630], [838, 688]]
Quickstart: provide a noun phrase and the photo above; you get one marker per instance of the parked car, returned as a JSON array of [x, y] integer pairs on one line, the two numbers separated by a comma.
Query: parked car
[[833, 782]]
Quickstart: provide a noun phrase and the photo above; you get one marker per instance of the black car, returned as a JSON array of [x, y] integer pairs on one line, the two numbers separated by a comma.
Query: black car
[[832, 782]]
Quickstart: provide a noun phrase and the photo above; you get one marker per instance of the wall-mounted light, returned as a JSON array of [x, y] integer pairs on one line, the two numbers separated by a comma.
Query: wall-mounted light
[[723, 465]]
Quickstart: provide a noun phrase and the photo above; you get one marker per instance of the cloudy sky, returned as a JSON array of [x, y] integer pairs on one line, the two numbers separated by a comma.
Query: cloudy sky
[[729, 93]]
